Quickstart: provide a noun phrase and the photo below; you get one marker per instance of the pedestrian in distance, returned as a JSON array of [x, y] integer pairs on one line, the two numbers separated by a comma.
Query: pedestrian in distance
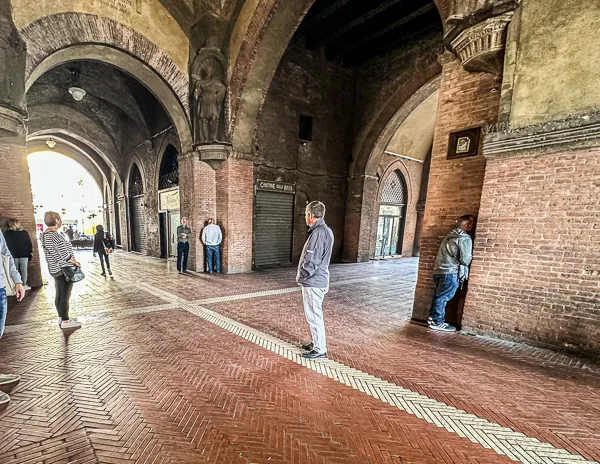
[[59, 253], [184, 232], [20, 246], [211, 238], [102, 250]]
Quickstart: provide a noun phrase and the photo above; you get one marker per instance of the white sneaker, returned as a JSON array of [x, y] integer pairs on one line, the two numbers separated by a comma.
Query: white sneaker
[[59, 322], [4, 398], [9, 378], [27, 287], [70, 324]]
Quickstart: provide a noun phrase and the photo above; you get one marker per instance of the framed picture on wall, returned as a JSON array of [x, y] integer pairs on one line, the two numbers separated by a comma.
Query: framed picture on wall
[[464, 142]]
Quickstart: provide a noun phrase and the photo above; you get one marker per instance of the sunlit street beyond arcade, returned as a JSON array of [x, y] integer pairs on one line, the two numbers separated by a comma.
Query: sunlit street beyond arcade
[[195, 368], [61, 184]]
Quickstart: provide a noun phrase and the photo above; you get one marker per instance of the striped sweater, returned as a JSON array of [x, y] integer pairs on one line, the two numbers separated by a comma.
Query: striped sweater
[[57, 250]]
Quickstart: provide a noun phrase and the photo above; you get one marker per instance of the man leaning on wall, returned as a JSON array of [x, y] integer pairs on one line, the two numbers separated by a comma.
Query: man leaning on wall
[[450, 270]]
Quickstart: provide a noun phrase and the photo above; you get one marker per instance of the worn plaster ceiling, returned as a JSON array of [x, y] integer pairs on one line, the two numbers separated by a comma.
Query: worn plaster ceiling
[[414, 137]]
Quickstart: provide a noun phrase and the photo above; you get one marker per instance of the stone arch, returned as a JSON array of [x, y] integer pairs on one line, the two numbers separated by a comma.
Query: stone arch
[[364, 183], [259, 40], [408, 213], [51, 118], [137, 162], [78, 36], [69, 149], [398, 109]]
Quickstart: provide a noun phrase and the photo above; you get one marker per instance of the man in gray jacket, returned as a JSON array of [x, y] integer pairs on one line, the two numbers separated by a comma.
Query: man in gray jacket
[[450, 269], [6, 379], [313, 276]]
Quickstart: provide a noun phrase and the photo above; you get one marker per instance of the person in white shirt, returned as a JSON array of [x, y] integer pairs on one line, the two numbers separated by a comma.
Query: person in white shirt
[[211, 238]]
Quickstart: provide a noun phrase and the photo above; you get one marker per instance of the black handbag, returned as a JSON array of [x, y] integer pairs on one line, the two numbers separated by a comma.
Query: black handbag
[[73, 273]]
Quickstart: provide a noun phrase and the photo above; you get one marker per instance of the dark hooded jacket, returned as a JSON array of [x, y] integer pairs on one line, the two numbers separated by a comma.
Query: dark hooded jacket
[[455, 254]]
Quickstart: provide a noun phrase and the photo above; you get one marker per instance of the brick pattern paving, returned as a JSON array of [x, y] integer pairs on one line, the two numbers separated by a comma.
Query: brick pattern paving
[[129, 387]]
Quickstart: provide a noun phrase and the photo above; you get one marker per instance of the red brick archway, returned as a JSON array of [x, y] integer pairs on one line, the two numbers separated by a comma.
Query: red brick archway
[[259, 39], [78, 36]]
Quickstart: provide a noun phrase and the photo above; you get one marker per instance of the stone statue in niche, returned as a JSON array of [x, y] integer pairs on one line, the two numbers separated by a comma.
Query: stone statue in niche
[[12, 57], [209, 91]]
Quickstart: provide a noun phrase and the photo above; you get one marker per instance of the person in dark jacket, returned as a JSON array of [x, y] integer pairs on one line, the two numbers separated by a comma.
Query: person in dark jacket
[[450, 269], [101, 248], [313, 276], [21, 249]]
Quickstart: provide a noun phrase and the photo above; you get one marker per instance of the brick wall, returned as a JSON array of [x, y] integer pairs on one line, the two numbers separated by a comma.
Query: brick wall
[[198, 202], [306, 83], [466, 99], [235, 188], [536, 272], [16, 199]]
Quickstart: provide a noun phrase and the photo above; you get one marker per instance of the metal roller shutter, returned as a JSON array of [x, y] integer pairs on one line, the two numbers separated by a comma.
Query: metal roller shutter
[[273, 229], [138, 225]]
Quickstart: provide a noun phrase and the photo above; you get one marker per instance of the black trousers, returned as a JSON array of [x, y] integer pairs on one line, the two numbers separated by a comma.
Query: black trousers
[[63, 293], [183, 250], [102, 254]]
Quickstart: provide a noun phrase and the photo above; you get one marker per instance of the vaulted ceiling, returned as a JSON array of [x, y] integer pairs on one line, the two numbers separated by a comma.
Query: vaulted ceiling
[[126, 111], [357, 30]]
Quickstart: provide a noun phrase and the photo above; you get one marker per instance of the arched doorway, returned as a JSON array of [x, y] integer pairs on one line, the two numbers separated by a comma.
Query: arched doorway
[[392, 216], [117, 212], [139, 239], [168, 201]]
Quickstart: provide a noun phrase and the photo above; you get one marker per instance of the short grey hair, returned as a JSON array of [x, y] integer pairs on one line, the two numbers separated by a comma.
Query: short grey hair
[[316, 209]]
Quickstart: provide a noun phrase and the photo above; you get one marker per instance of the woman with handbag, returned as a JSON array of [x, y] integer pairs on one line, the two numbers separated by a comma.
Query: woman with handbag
[[21, 249], [62, 266], [102, 250]]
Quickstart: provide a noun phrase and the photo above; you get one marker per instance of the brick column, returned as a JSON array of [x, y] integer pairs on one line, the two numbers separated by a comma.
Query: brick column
[[16, 199], [235, 195], [198, 201], [360, 205], [466, 100]]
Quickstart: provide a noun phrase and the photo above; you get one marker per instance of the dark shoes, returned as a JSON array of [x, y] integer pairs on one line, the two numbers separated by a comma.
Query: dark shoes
[[307, 346], [314, 355], [443, 327]]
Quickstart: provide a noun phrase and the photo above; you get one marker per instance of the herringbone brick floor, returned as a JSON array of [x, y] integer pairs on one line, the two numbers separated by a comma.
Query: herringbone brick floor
[[147, 381]]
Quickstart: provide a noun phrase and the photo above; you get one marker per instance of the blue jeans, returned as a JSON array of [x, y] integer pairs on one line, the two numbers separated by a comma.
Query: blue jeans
[[445, 288], [183, 250], [213, 253], [3, 309]]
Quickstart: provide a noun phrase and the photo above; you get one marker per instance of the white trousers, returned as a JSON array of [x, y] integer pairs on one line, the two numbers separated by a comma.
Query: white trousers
[[313, 310]]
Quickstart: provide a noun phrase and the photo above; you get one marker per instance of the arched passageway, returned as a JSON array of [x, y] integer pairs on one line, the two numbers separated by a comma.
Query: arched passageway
[[391, 216], [63, 185], [137, 210], [169, 203]]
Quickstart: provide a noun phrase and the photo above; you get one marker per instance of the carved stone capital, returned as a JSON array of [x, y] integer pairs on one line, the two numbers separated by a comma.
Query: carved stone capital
[[446, 57], [213, 154], [481, 46], [12, 123]]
